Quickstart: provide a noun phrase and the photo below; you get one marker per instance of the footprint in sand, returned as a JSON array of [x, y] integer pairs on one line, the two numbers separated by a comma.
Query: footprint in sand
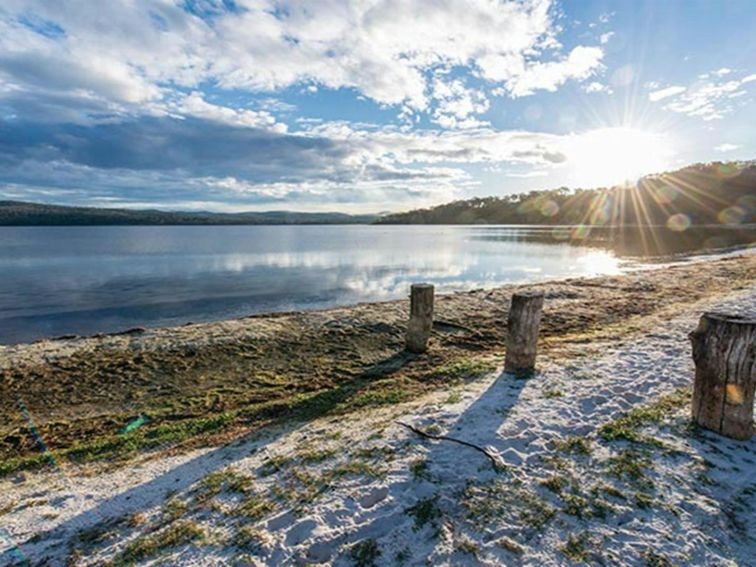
[[374, 496], [300, 532]]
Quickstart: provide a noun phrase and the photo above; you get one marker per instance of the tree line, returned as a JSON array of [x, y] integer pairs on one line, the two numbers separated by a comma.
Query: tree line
[[703, 194]]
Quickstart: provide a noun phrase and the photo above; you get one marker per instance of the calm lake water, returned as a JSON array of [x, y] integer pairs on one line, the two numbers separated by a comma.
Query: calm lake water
[[84, 280]]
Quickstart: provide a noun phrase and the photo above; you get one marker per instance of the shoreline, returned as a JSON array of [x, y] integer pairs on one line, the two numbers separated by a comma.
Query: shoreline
[[630, 265], [199, 384]]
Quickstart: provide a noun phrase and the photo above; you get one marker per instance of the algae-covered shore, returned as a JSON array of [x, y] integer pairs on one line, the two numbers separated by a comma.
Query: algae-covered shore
[[111, 397]]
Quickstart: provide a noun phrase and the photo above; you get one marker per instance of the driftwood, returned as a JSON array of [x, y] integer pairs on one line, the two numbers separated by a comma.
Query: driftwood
[[495, 458], [421, 317], [724, 351], [522, 332]]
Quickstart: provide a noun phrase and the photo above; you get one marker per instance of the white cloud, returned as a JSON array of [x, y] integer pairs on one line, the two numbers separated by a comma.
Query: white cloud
[[596, 87], [581, 63], [528, 174], [605, 37], [132, 53], [708, 100], [711, 97], [726, 147], [456, 104], [665, 93], [132, 77], [195, 105], [224, 160], [375, 144]]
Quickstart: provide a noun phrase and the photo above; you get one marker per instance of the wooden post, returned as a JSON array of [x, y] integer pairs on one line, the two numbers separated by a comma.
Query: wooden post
[[421, 317], [522, 332], [724, 350]]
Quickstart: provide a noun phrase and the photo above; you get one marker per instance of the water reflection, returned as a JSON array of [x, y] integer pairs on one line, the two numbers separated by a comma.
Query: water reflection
[[632, 241], [83, 280]]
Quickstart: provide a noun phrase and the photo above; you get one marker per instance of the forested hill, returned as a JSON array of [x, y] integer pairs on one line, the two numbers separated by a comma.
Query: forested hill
[[714, 193], [14, 213]]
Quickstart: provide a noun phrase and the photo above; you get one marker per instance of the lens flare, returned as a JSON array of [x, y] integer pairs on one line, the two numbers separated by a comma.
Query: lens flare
[[734, 394], [10, 545], [581, 231], [679, 222], [549, 208], [138, 422], [732, 215], [600, 215], [38, 436], [665, 194]]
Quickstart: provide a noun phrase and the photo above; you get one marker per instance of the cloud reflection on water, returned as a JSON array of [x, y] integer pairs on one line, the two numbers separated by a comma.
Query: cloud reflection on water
[[91, 279]]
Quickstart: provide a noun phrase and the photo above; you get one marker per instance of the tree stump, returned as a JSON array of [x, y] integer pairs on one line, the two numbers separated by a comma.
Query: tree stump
[[421, 317], [522, 332], [724, 351]]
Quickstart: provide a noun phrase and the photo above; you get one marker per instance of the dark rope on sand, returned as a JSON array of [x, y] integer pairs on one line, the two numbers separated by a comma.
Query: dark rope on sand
[[497, 461]]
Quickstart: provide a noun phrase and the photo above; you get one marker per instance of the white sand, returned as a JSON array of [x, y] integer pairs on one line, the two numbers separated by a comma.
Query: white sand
[[696, 504]]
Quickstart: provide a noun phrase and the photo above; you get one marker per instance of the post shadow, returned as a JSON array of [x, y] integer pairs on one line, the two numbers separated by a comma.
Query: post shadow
[[152, 493], [478, 424]]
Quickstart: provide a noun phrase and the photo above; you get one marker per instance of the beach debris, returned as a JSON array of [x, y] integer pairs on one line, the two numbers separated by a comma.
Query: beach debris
[[490, 452]]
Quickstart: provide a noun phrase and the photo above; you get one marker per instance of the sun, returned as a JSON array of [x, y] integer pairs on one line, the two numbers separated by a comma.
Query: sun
[[613, 156]]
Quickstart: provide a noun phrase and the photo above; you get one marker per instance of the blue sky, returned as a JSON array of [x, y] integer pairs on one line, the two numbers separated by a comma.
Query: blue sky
[[363, 106]]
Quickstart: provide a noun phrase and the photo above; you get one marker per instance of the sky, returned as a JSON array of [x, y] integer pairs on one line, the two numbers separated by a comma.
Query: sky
[[363, 106]]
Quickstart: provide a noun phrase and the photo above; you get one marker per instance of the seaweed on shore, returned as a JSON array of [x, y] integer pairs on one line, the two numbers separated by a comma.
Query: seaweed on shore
[[113, 397]]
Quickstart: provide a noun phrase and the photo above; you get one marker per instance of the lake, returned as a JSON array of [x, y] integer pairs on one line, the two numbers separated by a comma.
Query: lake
[[84, 280]]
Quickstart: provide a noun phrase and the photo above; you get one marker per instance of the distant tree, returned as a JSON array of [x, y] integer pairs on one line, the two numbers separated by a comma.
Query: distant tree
[[714, 193]]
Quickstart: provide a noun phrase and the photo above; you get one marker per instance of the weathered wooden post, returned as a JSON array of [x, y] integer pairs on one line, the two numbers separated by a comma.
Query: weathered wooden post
[[522, 332], [724, 351], [421, 317]]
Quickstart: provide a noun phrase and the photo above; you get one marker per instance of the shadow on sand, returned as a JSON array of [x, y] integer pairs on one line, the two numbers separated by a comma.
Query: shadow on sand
[[147, 495]]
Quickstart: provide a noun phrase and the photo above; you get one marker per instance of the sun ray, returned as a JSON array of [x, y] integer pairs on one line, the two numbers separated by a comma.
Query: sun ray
[[695, 194]]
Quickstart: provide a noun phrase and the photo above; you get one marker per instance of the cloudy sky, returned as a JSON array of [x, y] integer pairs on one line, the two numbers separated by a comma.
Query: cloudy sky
[[363, 105]]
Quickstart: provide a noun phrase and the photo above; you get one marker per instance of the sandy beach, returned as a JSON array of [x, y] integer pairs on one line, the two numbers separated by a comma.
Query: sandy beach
[[276, 440], [377, 284]]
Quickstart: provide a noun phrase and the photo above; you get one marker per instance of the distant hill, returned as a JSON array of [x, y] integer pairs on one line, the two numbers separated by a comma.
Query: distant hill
[[15, 213], [715, 193], [703, 194]]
